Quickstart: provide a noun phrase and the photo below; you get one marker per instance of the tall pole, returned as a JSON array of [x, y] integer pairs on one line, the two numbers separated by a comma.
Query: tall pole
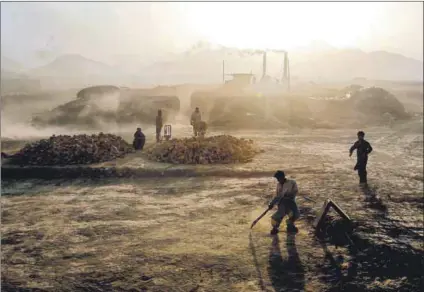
[[286, 71], [288, 74], [223, 71], [264, 65]]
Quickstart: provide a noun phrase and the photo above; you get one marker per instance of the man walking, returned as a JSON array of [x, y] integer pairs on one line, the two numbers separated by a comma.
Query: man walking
[[286, 203], [363, 148], [159, 125]]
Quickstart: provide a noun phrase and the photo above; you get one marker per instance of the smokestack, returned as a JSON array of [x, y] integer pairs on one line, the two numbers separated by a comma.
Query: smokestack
[[264, 66], [286, 72], [288, 75]]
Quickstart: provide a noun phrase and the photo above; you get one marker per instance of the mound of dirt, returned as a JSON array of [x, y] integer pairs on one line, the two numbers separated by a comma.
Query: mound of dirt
[[335, 230], [221, 149], [96, 106], [99, 90], [378, 102], [77, 149]]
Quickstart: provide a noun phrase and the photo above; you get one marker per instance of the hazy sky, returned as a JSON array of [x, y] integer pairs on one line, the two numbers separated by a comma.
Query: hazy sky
[[40, 31]]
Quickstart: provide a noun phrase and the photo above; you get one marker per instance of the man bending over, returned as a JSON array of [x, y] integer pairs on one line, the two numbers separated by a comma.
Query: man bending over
[[286, 203]]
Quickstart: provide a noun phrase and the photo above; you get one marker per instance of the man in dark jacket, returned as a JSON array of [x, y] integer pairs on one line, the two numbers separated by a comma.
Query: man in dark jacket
[[159, 125], [363, 148], [139, 140]]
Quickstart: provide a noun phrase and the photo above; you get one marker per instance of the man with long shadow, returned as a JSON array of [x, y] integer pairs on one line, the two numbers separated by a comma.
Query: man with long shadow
[[363, 148], [285, 199], [286, 275]]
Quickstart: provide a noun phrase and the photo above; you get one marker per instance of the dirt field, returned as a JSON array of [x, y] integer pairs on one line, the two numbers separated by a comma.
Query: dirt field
[[192, 233]]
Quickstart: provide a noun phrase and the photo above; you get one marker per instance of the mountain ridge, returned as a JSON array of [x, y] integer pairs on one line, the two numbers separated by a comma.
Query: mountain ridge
[[203, 61]]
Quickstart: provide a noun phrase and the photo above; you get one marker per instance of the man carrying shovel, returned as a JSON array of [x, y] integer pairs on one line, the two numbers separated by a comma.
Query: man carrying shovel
[[285, 200], [286, 203]]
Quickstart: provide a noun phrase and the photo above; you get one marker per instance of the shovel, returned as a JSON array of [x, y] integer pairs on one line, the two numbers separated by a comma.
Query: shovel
[[259, 218], [266, 211]]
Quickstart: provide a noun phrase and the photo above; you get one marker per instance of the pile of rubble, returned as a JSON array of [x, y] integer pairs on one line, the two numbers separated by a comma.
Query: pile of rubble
[[335, 230], [377, 106], [77, 149], [217, 149]]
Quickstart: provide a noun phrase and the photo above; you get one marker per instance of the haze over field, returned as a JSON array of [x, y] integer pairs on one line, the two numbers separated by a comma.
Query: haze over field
[[86, 200], [136, 43]]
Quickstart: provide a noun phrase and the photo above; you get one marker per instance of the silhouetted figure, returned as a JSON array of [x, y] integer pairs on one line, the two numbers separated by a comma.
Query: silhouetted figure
[[363, 148], [159, 125], [139, 140]]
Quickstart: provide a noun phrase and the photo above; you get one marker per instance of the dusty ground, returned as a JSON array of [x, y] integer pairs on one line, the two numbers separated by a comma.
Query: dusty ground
[[192, 234]]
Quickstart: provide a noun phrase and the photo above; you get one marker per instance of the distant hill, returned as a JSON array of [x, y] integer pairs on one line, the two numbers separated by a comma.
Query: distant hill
[[73, 65], [6, 74], [9, 65], [349, 64], [76, 71], [319, 62], [202, 63]]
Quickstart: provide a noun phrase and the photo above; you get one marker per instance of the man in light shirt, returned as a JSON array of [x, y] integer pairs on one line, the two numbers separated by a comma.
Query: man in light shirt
[[286, 202]]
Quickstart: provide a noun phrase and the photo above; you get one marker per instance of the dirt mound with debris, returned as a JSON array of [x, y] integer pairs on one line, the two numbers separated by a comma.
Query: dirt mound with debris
[[77, 149], [377, 101], [221, 149], [97, 90], [98, 106]]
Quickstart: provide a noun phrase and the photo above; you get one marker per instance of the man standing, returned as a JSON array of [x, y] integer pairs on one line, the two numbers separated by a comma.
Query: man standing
[[159, 125], [196, 117], [139, 140], [363, 148], [286, 203], [202, 128]]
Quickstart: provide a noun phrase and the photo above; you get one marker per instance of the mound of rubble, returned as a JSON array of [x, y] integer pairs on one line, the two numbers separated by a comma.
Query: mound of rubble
[[360, 107], [95, 107], [335, 230], [221, 149], [97, 90], [77, 149], [378, 102]]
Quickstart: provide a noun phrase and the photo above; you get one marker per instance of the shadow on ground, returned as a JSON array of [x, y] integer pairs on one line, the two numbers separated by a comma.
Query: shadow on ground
[[286, 274], [382, 257]]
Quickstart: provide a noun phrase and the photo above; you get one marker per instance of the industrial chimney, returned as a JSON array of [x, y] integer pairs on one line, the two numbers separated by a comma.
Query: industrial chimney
[[264, 66]]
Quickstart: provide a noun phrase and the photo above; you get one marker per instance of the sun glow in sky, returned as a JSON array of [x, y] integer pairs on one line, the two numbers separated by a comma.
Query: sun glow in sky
[[282, 25], [148, 30]]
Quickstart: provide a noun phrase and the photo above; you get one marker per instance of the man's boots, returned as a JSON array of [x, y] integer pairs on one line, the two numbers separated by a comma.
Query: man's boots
[[291, 228], [274, 231]]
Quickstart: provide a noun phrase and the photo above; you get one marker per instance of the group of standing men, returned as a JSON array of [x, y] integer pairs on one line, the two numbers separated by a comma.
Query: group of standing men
[[199, 129], [140, 138]]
